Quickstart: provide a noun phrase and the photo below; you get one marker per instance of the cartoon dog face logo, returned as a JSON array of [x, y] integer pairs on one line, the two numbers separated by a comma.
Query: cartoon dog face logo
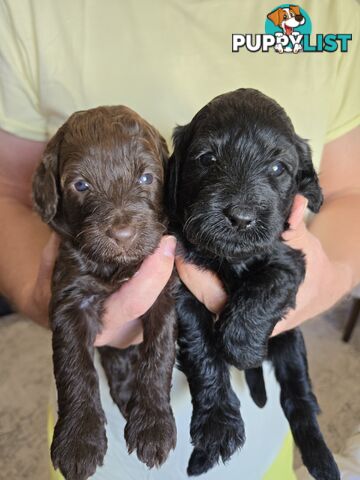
[[287, 19]]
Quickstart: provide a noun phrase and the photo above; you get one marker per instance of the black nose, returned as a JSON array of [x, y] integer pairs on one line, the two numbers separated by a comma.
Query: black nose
[[240, 218], [299, 18]]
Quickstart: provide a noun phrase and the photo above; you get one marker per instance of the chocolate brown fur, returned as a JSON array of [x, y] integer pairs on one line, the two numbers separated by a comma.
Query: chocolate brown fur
[[106, 232]]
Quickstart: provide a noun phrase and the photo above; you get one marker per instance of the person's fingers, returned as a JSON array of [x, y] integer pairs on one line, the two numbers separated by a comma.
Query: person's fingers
[[295, 237], [297, 211], [281, 327], [137, 295], [297, 231], [296, 219], [121, 324], [204, 284], [131, 333]]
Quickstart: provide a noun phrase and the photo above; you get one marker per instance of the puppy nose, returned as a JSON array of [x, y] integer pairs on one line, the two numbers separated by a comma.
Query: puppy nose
[[298, 18], [240, 218], [122, 234]]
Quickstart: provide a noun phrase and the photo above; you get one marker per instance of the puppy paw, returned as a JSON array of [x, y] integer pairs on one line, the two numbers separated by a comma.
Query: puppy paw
[[321, 463], [79, 446], [216, 434], [151, 432], [236, 352], [199, 463]]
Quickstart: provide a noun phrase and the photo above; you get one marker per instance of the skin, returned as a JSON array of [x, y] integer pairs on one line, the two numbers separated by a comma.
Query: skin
[[330, 244]]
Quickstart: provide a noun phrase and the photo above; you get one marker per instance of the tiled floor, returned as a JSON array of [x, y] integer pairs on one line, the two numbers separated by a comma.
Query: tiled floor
[[25, 372]]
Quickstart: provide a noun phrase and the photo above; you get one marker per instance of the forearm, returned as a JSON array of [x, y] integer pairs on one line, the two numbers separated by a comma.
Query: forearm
[[22, 240], [22, 235], [330, 245], [337, 227]]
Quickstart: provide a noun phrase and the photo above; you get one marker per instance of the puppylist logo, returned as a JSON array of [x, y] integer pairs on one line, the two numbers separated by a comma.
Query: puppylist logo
[[288, 30]]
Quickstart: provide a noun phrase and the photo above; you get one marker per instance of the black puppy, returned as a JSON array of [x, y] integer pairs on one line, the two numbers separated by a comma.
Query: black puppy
[[232, 179]]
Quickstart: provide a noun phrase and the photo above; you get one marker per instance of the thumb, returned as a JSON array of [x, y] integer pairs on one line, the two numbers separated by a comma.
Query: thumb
[[137, 295], [204, 284]]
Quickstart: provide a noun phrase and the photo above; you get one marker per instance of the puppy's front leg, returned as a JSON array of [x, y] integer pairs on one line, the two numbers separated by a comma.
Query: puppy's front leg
[[150, 428], [262, 296], [79, 442], [217, 429]]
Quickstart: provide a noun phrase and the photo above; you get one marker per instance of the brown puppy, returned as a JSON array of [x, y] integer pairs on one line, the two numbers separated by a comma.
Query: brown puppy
[[99, 186]]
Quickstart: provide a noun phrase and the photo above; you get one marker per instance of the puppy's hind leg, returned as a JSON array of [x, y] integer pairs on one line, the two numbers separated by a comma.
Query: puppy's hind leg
[[120, 368], [150, 429], [217, 429], [288, 354], [255, 381]]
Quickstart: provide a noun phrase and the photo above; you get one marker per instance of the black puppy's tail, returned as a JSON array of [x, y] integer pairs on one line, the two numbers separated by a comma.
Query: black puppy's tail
[[255, 381], [288, 355]]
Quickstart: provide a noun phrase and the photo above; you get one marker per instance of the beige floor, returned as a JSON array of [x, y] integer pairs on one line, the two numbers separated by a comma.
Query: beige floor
[[25, 372]]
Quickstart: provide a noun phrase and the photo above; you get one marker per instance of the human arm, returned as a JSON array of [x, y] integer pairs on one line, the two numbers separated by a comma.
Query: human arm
[[23, 236]]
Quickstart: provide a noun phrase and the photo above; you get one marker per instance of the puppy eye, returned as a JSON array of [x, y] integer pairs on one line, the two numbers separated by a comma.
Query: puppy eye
[[206, 159], [146, 179], [277, 169], [81, 186]]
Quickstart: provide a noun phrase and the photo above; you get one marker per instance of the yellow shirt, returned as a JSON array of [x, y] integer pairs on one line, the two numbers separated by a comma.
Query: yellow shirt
[[166, 59]]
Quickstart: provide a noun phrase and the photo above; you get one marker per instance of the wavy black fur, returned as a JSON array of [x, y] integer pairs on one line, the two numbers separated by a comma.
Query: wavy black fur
[[235, 170]]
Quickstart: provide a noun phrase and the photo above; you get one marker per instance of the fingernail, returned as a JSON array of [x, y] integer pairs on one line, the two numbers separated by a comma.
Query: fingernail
[[169, 247]]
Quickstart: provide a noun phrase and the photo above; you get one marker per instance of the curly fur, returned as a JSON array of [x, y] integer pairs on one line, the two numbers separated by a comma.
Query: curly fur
[[229, 206], [110, 148]]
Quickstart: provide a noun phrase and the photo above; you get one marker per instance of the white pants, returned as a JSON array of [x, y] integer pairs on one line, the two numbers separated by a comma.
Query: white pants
[[265, 428]]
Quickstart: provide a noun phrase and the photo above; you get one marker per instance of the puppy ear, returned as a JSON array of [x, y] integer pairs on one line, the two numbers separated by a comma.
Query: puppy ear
[[164, 152], [180, 141], [44, 186], [307, 179], [275, 16], [160, 144]]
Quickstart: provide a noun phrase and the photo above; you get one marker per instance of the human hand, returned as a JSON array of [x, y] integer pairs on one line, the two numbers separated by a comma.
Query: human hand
[[121, 324], [325, 281]]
